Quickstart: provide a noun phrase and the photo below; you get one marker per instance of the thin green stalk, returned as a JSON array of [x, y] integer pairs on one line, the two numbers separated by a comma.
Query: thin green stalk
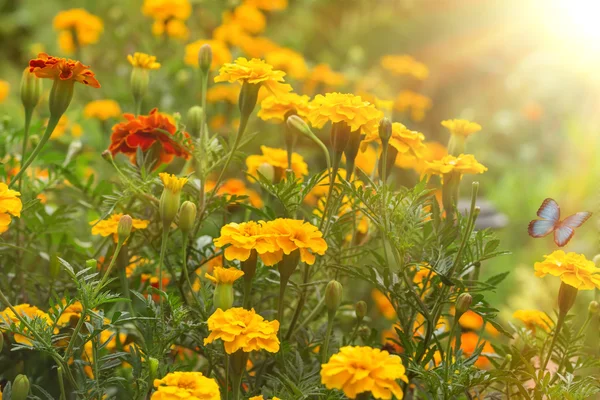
[[28, 115], [282, 286], [559, 324], [163, 250], [301, 302], [185, 270], [354, 333], [335, 165], [227, 376], [109, 269], [449, 352], [61, 384], [311, 316], [325, 352]]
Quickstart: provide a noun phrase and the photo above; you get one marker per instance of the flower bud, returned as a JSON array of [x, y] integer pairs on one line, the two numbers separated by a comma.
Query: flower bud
[[124, 228], [248, 98], [596, 260], [249, 266], [31, 89], [385, 131], [91, 263], [20, 388], [351, 151], [333, 296], [593, 308], [1, 342], [140, 80], [205, 57], [364, 332], [463, 302], [153, 367], [195, 120], [34, 140], [223, 296], [107, 155], [169, 206], [566, 298], [392, 153], [295, 122], [61, 95], [340, 134], [361, 310], [267, 171], [187, 217]]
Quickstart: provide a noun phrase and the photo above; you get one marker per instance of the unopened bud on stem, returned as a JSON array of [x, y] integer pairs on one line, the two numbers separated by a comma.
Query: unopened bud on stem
[[463, 302], [361, 311], [20, 388], [333, 296], [187, 217], [124, 228]]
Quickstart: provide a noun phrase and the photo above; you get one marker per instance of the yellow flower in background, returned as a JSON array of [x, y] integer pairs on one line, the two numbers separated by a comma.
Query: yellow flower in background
[[27, 311], [463, 164], [360, 369], [241, 329], [167, 9], [367, 160], [282, 106], [414, 103], [226, 92], [268, 5], [243, 238], [172, 182], [66, 125], [225, 276], [174, 28], [87, 27], [134, 266], [289, 61], [4, 90], [403, 139], [72, 311], [254, 71], [248, 17], [186, 385], [143, 60], [572, 268], [109, 226], [323, 74], [230, 33], [383, 304], [461, 127], [348, 108], [251, 398], [432, 151], [235, 187], [294, 234], [102, 109], [220, 53], [534, 319], [278, 159], [255, 47], [10, 204], [405, 65]]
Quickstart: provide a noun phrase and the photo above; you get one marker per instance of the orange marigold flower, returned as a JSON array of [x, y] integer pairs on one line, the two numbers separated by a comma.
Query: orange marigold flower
[[72, 311], [174, 28], [470, 342], [228, 93], [220, 53], [167, 9], [348, 108], [144, 131], [383, 304], [282, 106], [26, 311], [405, 65], [102, 109], [88, 28], [186, 385], [245, 237], [45, 66], [4, 90], [235, 187], [289, 61], [572, 268], [463, 164], [414, 103], [172, 183], [143, 60], [254, 71], [278, 159], [534, 319], [461, 127], [248, 17], [109, 226], [224, 275], [430, 152], [294, 234], [241, 329], [268, 5], [10, 204], [360, 369]]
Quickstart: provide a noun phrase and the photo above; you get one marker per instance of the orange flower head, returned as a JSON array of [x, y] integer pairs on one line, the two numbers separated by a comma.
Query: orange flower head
[[294, 234], [145, 131], [469, 343], [461, 127], [245, 237], [289, 61], [248, 17], [164, 10], [109, 226], [88, 28], [254, 71], [27, 311], [341, 107], [403, 140], [225, 276], [383, 304], [414, 103], [10, 205], [45, 66], [462, 164], [102, 109], [534, 319]]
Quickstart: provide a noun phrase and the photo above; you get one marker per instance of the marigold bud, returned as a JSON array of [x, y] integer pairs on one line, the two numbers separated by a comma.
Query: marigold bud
[[364, 331], [31, 89], [463, 302], [249, 266], [107, 155], [248, 98], [169, 206], [34, 140], [124, 228], [351, 151], [596, 260], [195, 120], [385, 131], [361, 310], [267, 170], [566, 298], [153, 367], [140, 80], [223, 296], [20, 388], [340, 134], [593, 307], [295, 122], [187, 217], [333, 296], [205, 57], [61, 95]]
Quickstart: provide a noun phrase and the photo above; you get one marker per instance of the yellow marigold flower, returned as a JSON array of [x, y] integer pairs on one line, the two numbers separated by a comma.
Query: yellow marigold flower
[[294, 234], [230, 33], [405, 65], [432, 151], [534, 319], [73, 311], [403, 139], [10, 204], [278, 159], [383, 304], [461, 127], [367, 159], [134, 266], [253, 71], [224, 275], [359, 369], [235, 187], [348, 108], [4, 90], [172, 183], [289, 61], [65, 125], [241, 329], [186, 385], [88, 28], [260, 397], [109, 226], [282, 106], [268, 5], [463, 164], [220, 53], [27, 311], [228, 93], [174, 28], [323, 73], [143, 60], [167, 9], [102, 109], [248, 17], [572, 268], [245, 237], [414, 103], [253, 46]]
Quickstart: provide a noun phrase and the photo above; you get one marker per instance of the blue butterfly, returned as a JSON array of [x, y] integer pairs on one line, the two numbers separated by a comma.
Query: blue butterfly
[[564, 230]]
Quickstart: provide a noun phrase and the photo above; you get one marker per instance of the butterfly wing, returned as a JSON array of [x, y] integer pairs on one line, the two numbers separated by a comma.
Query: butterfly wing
[[549, 211], [540, 227], [562, 235], [576, 220]]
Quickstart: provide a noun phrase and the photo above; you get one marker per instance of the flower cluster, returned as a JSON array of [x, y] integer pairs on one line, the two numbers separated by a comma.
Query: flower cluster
[[87, 28], [169, 17], [186, 385]]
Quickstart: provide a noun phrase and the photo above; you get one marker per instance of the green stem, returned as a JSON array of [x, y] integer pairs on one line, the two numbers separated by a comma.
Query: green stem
[[301, 302], [28, 115], [236, 383], [185, 271], [282, 286], [52, 122], [247, 292], [163, 249], [227, 362], [325, 352], [332, 177], [312, 315], [559, 324], [449, 353], [354, 333], [109, 269], [61, 384]]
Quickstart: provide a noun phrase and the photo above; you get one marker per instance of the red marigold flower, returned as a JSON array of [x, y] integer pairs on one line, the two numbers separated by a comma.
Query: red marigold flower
[[144, 131], [45, 66]]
